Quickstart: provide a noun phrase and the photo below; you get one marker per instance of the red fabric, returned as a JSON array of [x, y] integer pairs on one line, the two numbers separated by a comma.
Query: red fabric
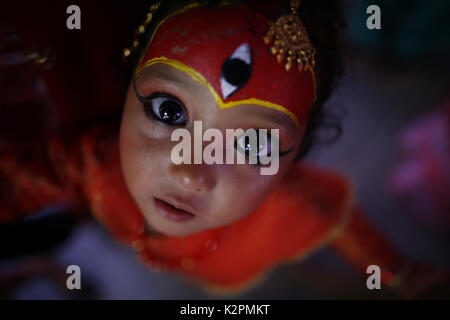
[[362, 247], [310, 208]]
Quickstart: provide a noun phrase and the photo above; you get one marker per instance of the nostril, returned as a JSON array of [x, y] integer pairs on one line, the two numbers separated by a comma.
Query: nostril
[[194, 183]]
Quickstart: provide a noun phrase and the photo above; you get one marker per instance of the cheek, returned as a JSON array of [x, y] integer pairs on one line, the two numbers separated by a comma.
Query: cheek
[[245, 189], [130, 158], [139, 158], [241, 192]]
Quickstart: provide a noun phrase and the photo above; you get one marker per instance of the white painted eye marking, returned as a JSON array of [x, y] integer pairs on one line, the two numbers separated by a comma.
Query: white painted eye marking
[[227, 89], [236, 70], [243, 53]]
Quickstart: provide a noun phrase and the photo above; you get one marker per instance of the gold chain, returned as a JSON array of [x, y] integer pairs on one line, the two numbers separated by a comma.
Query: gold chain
[[289, 41], [140, 31]]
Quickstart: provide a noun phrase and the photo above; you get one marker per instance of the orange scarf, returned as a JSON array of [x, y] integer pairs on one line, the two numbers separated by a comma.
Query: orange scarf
[[308, 210]]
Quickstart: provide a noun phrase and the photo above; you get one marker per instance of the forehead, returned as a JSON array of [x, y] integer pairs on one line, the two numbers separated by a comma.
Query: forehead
[[200, 40], [161, 73]]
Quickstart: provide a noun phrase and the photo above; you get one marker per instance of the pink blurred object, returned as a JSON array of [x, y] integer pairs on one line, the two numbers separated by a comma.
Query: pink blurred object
[[422, 179]]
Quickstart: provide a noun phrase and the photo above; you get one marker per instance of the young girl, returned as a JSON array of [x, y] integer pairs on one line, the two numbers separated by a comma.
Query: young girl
[[229, 65]]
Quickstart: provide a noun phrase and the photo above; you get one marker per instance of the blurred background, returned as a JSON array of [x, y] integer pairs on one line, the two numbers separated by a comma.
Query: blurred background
[[394, 106]]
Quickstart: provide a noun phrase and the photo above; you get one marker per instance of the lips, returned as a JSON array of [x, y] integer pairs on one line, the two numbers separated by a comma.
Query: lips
[[171, 212]]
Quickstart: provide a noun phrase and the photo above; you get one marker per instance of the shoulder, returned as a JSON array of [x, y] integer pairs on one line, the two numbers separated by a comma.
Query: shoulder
[[326, 191]]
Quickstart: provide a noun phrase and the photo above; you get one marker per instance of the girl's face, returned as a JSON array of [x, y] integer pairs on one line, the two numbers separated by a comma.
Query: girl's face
[[183, 199]]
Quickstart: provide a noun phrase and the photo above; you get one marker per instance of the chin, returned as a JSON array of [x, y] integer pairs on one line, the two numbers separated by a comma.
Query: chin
[[168, 228], [176, 232]]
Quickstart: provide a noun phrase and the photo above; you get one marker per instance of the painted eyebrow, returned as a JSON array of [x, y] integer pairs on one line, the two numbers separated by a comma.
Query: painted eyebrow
[[140, 98]]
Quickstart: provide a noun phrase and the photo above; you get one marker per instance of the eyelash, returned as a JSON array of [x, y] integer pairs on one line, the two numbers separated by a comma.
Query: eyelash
[[151, 114], [147, 103], [281, 153], [158, 94]]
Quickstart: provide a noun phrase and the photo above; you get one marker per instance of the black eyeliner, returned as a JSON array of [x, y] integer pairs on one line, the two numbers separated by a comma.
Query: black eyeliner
[[140, 98], [285, 153], [149, 98], [280, 155]]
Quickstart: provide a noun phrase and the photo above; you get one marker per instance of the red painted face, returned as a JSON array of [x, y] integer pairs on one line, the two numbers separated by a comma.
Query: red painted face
[[222, 47]]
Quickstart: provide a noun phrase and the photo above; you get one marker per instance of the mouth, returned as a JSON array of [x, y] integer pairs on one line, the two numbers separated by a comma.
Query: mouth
[[171, 212]]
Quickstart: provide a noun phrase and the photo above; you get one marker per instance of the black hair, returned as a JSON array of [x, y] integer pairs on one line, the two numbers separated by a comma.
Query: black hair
[[324, 21]]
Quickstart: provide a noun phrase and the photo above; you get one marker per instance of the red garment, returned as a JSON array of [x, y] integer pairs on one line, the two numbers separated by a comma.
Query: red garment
[[310, 208]]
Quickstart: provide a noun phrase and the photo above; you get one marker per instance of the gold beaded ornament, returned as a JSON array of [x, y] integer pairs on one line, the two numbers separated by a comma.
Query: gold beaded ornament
[[141, 30], [290, 42]]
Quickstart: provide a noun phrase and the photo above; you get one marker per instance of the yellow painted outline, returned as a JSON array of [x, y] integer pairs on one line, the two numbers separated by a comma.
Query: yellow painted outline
[[186, 8], [197, 76]]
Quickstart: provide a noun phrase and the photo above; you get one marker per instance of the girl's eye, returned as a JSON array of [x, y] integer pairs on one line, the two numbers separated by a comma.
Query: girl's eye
[[261, 148], [165, 108]]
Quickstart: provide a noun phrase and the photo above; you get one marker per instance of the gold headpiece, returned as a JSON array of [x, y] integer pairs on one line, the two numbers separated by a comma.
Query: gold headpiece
[[290, 41], [141, 30]]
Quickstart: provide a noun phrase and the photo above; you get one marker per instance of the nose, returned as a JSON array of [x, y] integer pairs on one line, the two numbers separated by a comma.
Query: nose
[[196, 177]]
